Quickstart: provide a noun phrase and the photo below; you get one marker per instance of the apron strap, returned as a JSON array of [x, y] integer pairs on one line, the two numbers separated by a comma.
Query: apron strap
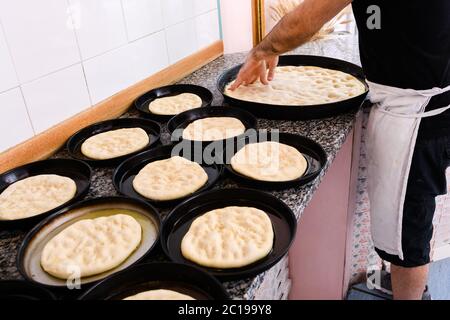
[[393, 91], [383, 89], [420, 115]]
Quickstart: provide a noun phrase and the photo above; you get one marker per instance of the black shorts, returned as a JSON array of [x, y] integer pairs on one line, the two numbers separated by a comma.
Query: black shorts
[[426, 181]]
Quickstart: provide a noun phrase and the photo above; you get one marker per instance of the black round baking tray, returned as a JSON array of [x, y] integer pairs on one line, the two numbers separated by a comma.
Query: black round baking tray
[[17, 290], [300, 112], [179, 220], [177, 124], [28, 259], [182, 278], [124, 174], [312, 151], [142, 103], [76, 170], [74, 144]]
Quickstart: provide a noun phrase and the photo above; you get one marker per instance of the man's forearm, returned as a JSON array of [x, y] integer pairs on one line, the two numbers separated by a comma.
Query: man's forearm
[[298, 26]]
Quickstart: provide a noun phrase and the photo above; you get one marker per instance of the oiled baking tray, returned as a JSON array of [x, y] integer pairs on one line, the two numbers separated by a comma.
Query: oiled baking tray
[[314, 154], [180, 219], [76, 170], [125, 173], [181, 278], [299, 112], [18, 290], [74, 144], [142, 103], [28, 260]]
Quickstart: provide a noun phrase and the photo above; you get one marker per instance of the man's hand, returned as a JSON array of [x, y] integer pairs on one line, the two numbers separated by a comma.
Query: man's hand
[[293, 30], [256, 68]]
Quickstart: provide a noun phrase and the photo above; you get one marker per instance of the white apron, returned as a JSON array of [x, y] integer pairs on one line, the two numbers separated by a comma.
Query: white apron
[[391, 138]]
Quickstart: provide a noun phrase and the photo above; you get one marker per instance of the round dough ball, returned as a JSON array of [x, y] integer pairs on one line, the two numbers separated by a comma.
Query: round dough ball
[[35, 195], [170, 179], [303, 85], [269, 161], [173, 105], [213, 129], [91, 246], [231, 237], [159, 295], [115, 143]]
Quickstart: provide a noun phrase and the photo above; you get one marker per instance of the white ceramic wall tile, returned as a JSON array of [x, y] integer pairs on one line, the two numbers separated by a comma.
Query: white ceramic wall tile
[[39, 36], [108, 73], [207, 28], [8, 77], [116, 70], [121, 42], [142, 17], [181, 40], [56, 97], [17, 127], [148, 56], [175, 11], [100, 26], [202, 6]]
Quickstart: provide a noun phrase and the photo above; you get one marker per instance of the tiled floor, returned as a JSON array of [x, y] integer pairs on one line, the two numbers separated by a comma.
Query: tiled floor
[[439, 281], [439, 285]]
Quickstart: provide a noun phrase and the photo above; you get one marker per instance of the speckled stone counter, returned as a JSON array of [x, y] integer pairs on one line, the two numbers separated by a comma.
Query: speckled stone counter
[[330, 133]]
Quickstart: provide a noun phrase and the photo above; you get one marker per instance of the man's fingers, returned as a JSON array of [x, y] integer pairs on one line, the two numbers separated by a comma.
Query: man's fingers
[[263, 74], [251, 80], [271, 73], [254, 70], [237, 83], [263, 79], [272, 65]]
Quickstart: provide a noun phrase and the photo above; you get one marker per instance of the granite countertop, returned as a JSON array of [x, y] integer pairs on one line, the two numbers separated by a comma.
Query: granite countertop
[[330, 133]]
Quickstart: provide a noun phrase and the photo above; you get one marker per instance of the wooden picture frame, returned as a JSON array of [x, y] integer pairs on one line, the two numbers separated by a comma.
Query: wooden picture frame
[[259, 21]]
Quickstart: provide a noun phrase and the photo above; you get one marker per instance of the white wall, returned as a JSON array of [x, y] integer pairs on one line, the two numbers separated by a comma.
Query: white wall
[[237, 25], [59, 57]]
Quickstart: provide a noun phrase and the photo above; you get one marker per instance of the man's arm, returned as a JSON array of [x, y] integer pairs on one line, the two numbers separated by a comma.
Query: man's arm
[[294, 29]]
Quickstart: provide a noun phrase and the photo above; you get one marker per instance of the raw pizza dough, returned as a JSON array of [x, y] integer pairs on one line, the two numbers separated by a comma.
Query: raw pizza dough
[[115, 143], [231, 237], [170, 179], [160, 295], [213, 129], [304, 85], [91, 246], [269, 161], [35, 195], [175, 104]]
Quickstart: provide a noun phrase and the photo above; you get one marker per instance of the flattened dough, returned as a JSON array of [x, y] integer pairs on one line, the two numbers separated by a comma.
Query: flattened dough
[[35, 195], [231, 237], [213, 129], [170, 179], [91, 246], [175, 104], [304, 85], [269, 161], [115, 143], [160, 295]]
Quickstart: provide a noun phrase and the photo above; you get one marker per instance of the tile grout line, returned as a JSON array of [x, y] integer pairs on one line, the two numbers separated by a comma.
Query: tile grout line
[[164, 29], [19, 84], [8, 47], [80, 55], [146, 35], [187, 19], [28, 111], [108, 51], [124, 20]]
